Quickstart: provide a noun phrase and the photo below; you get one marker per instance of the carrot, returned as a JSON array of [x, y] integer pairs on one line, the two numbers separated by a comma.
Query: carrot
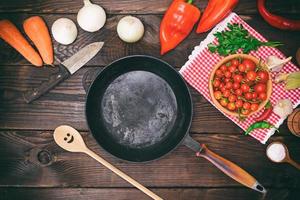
[[10, 34], [36, 29]]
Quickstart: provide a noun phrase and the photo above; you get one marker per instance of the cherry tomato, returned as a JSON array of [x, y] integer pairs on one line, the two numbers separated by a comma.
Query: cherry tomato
[[254, 107], [238, 78], [223, 89], [232, 68], [239, 103], [228, 85], [238, 92], [216, 83], [251, 75], [227, 80], [245, 112], [249, 64], [217, 95], [235, 62], [254, 95], [248, 96], [221, 85], [262, 96], [260, 88], [219, 73], [246, 106], [263, 76], [245, 88], [242, 68], [223, 68], [224, 102], [227, 74], [231, 106], [236, 85], [232, 98], [226, 93]]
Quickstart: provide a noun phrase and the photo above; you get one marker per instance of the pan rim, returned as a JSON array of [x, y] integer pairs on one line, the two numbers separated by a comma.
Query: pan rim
[[179, 77]]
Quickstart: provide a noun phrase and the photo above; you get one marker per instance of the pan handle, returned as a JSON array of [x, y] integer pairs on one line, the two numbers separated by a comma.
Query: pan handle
[[226, 166]]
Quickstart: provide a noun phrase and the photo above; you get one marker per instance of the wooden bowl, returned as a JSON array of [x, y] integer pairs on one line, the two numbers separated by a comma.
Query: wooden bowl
[[225, 60]]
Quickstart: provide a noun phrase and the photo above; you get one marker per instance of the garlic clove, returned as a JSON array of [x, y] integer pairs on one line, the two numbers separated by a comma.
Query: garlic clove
[[275, 64]]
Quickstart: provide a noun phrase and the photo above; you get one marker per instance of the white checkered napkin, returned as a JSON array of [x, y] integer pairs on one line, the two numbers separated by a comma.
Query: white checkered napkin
[[197, 69]]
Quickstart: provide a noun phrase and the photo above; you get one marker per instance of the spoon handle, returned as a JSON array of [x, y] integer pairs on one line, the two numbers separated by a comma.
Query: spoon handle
[[292, 162], [122, 175]]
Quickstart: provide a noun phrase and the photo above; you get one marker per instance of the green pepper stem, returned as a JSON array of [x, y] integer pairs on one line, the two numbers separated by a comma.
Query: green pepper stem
[[190, 1]]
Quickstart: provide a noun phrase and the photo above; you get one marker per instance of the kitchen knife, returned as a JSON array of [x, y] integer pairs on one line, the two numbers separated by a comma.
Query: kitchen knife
[[65, 70]]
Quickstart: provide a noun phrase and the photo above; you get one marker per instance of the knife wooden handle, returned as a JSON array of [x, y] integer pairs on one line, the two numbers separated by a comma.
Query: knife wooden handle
[[47, 85], [231, 169]]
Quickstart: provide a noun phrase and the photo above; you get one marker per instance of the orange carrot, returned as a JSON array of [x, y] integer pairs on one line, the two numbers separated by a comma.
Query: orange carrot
[[36, 29], [10, 34]]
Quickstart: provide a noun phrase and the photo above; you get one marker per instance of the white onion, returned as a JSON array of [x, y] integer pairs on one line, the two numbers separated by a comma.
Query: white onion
[[91, 17], [64, 31], [130, 29]]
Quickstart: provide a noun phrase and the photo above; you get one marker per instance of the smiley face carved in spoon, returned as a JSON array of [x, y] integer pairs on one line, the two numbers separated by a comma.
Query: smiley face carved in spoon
[[69, 136]]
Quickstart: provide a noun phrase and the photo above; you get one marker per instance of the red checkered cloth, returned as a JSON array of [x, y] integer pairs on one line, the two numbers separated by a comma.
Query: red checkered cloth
[[197, 69]]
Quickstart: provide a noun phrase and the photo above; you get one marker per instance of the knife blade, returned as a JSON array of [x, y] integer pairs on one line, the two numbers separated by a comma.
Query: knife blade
[[65, 70]]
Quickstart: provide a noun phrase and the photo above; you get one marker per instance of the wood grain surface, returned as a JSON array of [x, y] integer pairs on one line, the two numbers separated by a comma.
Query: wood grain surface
[[32, 166]]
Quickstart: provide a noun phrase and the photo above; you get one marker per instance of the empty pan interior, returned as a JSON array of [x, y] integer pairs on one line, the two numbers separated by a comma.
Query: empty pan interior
[[138, 108]]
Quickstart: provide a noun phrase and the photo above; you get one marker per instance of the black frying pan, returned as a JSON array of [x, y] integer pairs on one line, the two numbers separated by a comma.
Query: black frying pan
[[139, 109]]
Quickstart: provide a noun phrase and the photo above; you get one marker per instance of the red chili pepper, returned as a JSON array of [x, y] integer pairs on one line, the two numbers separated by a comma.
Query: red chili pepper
[[266, 114], [177, 23], [215, 11], [275, 20]]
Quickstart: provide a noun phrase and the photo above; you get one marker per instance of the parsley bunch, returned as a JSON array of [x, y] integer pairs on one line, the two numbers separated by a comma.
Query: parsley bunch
[[235, 38]]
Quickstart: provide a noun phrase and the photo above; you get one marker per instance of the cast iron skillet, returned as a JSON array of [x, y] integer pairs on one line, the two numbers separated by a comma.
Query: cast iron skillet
[[139, 109]]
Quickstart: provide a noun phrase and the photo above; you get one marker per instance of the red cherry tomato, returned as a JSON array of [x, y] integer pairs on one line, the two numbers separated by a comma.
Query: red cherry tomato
[[254, 95], [248, 96], [216, 83], [239, 103], [245, 112], [217, 95], [227, 80], [262, 96], [249, 64], [223, 89], [231, 106], [226, 93], [232, 98], [238, 92], [251, 75], [224, 102], [219, 73], [238, 78], [260, 88], [246, 106], [263, 76], [235, 62], [236, 85], [221, 85], [245, 88], [232, 68], [227, 74], [254, 107], [242, 68], [223, 68], [228, 85]]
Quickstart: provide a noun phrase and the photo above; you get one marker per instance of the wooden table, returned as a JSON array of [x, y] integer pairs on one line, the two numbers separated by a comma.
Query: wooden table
[[32, 166]]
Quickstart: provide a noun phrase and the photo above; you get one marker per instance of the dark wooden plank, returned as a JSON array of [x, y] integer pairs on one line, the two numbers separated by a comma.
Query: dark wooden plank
[[115, 48], [133, 6], [122, 194], [65, 103], [20, 167]]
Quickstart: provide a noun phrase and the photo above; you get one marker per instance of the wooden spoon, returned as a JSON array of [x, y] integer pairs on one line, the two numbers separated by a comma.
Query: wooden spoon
[[287, 158], [70, 139]]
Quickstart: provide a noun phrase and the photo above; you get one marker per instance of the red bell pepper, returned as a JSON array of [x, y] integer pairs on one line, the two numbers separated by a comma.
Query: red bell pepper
[[215, 11], [275, 20], [177, 23]]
